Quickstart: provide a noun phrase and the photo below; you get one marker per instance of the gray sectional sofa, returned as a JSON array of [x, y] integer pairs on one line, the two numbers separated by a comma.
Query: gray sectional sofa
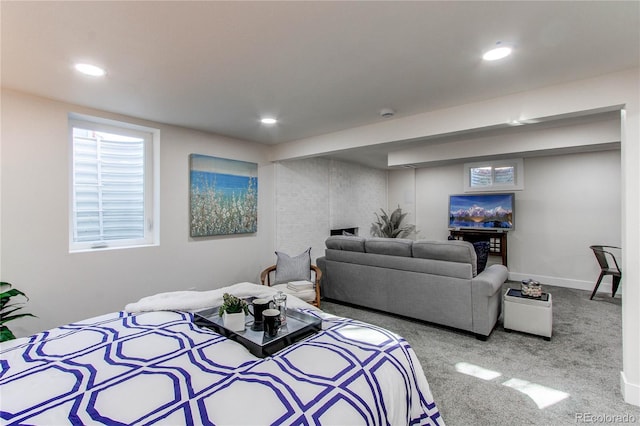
[[434, 281]]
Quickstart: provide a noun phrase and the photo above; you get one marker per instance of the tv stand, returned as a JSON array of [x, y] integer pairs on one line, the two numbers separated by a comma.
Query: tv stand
[[497, 240]]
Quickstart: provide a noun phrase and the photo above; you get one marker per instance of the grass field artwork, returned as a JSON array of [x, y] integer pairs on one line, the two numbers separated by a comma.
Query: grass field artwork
[[223, 196]]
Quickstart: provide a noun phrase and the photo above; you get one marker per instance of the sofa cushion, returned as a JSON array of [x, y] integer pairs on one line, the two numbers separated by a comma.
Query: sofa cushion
[[389, 246], [402, 263], [451, 251], [345, 242]]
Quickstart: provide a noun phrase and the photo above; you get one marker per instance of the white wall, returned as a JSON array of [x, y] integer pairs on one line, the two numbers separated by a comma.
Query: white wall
[[65, 287], [316, 195], [357, 192], [402, 193], [433, 186], [569, 202], [630, 376]]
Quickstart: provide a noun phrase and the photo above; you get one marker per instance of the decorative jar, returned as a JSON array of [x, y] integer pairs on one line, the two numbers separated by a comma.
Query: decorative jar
[[531, 288], [233, 322]]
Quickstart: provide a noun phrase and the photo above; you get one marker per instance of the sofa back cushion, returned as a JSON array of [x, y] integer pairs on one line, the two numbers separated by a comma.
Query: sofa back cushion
[[451, 251], [389, 246], [344, 242], [406, 264]]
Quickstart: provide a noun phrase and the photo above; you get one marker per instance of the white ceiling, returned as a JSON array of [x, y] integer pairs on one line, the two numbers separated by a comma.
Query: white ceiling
[[318, 66]]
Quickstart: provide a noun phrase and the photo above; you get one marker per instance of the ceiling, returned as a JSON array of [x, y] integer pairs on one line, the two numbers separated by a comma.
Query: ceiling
[[317, 66]]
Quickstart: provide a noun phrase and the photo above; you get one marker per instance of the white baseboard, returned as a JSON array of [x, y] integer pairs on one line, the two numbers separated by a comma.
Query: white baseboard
[[630, 391], [605, 286]]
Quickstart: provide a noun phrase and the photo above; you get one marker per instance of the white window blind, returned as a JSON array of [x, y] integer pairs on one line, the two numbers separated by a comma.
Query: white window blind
[[494, 175], [111, 188], [505, 175], [480, 176]]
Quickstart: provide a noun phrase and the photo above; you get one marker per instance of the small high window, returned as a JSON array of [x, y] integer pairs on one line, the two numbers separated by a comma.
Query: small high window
[[112, 188], [494, 175]]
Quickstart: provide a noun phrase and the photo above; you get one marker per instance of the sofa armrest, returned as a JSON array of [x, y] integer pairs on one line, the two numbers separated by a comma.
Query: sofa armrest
[[321, 262], [489, 281], [486, 300]]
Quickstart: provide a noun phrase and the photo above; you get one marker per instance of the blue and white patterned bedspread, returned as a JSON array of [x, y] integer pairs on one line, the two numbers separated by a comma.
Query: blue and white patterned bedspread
[[158, 367]]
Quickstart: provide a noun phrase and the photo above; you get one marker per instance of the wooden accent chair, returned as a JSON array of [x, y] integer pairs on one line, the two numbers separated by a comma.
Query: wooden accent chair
[[265, 279], [603, 256]]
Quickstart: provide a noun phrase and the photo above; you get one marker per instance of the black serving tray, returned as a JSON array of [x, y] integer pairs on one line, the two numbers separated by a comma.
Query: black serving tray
[[299, 325]]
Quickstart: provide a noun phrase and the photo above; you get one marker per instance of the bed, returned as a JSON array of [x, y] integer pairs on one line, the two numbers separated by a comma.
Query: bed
[[151, 364]]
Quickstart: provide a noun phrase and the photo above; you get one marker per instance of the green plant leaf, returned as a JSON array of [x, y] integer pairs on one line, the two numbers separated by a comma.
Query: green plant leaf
[[11, 293], [6, 334], [232, 305], [7, 291], [12, 317], [10, 308], [7, 308], [7, 295]]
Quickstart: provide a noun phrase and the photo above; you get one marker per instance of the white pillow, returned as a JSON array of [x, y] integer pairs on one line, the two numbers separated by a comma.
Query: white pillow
[[293, 268]]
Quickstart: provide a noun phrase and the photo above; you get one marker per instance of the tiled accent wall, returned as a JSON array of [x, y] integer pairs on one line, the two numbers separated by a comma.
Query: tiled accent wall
[[356, 193], [302, 206], [316, 195]]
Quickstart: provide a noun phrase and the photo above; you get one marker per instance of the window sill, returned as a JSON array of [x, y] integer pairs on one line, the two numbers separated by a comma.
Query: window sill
[[109, 248]]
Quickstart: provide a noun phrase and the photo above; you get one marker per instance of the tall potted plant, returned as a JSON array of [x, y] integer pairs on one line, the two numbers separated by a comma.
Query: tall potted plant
[[390, 225], [7, 310]]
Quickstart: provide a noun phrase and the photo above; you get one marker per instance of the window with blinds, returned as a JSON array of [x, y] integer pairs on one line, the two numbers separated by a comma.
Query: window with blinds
[[111, 186], [494, 175], [480, 176]]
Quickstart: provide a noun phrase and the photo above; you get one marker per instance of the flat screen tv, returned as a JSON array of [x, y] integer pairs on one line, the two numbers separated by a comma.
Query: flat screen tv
[[481, 211]]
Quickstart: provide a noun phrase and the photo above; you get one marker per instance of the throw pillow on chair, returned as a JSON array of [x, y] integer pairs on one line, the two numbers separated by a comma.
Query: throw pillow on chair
[[293, 268], [293, 275]]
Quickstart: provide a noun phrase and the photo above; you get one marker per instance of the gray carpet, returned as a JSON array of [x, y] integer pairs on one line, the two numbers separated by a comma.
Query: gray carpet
[[583, 359]]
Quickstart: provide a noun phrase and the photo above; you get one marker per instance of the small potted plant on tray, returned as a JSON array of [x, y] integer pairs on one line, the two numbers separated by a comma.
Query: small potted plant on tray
[[233, 312]]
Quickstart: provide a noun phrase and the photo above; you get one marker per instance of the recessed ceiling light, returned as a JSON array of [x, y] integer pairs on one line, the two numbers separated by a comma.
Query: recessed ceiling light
[[268, 120], [88, 69], [499, 52]]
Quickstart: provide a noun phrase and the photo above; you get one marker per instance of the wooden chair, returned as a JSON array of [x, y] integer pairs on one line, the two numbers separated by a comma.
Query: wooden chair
[[265, 279], [603, 256]]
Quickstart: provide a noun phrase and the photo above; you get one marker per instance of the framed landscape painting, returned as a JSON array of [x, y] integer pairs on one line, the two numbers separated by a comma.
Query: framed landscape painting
[[223, 196]]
